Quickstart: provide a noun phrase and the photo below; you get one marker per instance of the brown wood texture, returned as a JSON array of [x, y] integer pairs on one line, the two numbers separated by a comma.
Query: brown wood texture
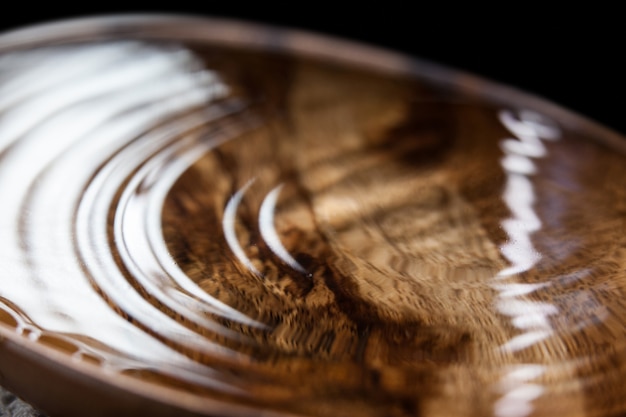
[[399, 215], [393, 204]]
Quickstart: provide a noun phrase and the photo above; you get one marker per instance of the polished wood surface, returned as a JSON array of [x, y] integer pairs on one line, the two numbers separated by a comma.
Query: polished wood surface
[[396, 246]]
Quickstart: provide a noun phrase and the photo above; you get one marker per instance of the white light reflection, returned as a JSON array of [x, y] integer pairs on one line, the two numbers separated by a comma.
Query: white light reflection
[[228, 224], [266, 228], [62, 117], [268, 231], [519, 391], [530, 317]]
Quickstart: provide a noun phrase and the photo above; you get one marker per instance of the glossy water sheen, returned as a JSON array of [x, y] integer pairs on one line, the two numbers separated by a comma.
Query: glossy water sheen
[[308, 237]]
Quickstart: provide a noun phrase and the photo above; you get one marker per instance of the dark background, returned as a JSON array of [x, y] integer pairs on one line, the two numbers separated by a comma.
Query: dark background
[[572, 57]]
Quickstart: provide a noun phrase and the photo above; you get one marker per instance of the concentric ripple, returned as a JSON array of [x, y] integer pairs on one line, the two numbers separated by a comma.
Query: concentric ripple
[[309, 237]]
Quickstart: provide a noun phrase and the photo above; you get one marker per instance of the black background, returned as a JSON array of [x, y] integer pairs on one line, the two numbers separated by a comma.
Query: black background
[[572, 57]]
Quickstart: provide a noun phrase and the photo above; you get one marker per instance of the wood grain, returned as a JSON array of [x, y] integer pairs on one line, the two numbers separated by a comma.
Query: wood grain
[[393, 204], [401, 220]]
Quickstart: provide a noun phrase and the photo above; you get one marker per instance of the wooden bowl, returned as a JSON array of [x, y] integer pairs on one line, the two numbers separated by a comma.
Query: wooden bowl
[[204, 217]]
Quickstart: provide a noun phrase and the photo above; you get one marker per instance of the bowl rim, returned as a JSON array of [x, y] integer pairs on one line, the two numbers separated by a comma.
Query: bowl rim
[[258, 36]]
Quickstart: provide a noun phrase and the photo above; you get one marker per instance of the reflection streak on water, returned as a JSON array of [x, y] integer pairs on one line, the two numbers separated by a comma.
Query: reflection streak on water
[[228, 224], [269, 233], [519, 391], [267, 229], [531, 317], [55, 132]]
